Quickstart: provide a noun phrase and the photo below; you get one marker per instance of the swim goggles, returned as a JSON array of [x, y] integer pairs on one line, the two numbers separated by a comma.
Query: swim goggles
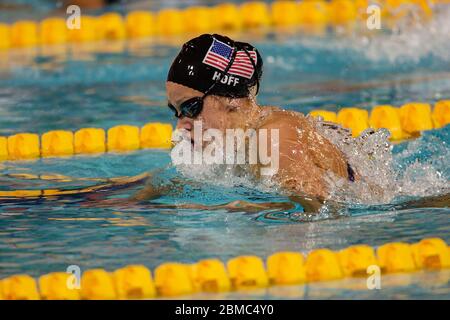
[[192, 107]]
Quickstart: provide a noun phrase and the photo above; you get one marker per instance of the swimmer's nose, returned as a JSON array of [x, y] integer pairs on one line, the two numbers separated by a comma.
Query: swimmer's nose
[[185, 123]]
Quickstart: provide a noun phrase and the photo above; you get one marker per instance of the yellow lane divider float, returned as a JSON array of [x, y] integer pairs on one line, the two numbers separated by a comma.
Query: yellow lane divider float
[[198, 19], [404, 122], [85, 141], [239, 273]]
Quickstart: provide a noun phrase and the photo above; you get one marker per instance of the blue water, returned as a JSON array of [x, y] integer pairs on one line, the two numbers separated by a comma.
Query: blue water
[[123, 83]]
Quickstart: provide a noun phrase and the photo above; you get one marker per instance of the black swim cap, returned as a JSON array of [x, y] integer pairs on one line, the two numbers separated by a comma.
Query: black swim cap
[[202, 62]]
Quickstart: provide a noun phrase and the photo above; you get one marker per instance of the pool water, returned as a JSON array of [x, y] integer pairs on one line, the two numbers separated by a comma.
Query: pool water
[[106, 84]]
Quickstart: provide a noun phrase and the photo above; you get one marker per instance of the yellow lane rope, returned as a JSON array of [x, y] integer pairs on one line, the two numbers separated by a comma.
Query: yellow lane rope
[[312, 15], [240, 273]]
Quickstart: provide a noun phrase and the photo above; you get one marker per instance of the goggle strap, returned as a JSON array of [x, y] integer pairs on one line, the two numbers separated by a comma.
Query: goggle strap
[[254, 67]]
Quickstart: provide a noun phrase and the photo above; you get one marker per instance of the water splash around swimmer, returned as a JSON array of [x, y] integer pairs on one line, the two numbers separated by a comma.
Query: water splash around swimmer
[[385, 177]]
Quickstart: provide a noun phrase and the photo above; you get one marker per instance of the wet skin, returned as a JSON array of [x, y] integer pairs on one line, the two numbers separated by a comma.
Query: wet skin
[[305, 156]]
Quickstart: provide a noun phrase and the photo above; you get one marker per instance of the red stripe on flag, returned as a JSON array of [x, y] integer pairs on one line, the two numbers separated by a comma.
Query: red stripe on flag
[[245, 75], [243, 65], [217, 60], [244, 54], [242, 69], [217, 56]]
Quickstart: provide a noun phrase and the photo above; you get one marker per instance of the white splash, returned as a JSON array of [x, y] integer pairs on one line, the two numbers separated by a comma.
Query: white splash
[[410, 40], [382, 180]]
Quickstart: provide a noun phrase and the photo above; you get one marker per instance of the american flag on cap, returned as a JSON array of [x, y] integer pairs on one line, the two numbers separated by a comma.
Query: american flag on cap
[[219, 56]]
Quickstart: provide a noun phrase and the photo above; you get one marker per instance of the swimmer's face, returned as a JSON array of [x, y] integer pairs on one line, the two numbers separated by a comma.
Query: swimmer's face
[[217, 113]]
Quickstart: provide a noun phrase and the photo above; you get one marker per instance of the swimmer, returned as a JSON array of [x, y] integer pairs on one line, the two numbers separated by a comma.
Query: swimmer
[[215, 80], [221, 94]]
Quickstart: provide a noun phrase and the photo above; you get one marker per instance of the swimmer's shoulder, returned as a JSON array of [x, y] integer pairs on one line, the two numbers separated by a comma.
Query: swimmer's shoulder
[[272, 117], [287, 123]]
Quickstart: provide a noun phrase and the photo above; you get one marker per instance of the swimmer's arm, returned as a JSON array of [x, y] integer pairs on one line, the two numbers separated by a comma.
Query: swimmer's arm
[[151, 192], [438, 201], [241, 206], [312, 205]]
